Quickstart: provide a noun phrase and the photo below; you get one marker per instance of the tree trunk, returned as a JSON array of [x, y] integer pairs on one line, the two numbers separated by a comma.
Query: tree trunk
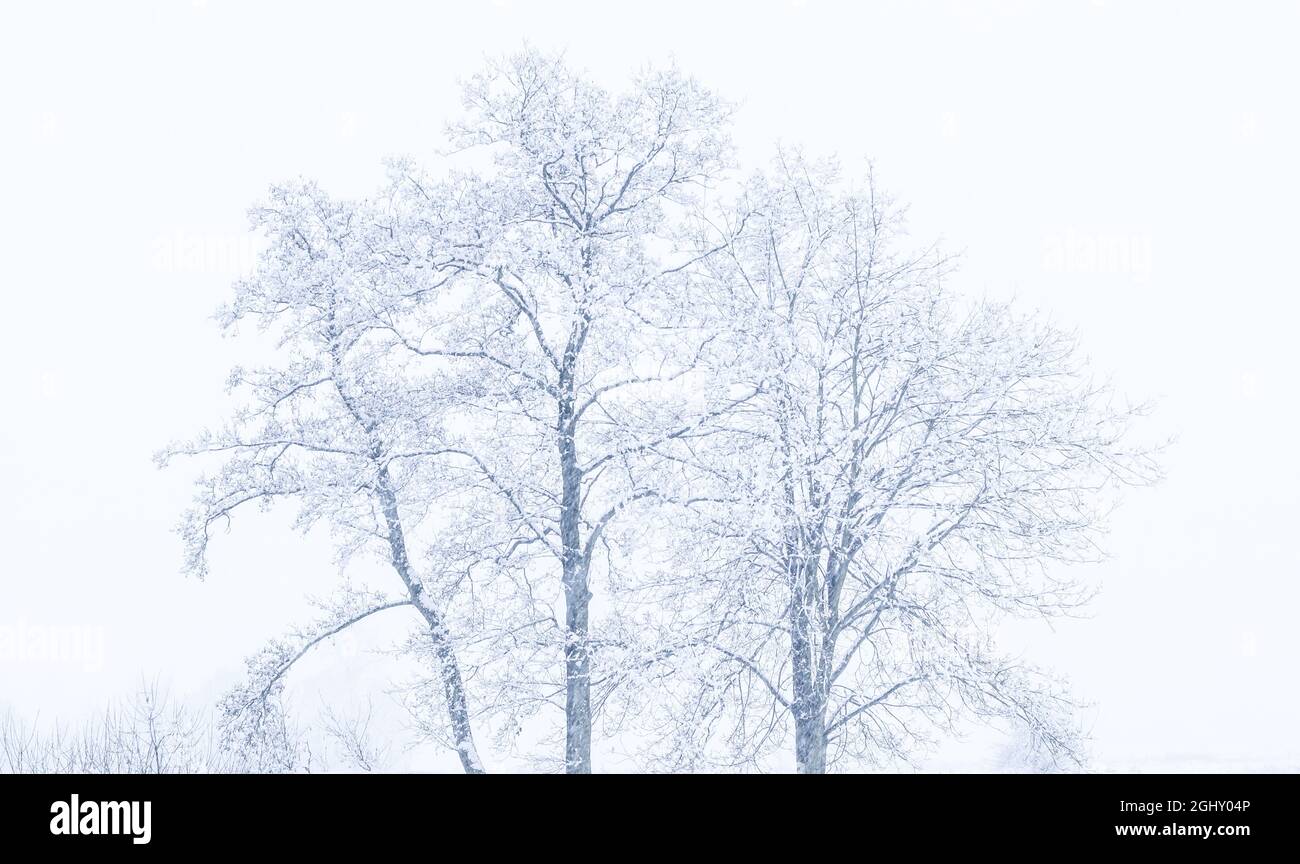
[[452, 684], [807, 705], [577, 599], [454, 690], [810, 740]]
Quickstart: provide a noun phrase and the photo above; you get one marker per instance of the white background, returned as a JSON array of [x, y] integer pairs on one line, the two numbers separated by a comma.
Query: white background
[[1128, 168]]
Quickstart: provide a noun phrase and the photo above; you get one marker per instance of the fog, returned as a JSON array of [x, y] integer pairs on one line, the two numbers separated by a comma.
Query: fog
[[1126, 169]]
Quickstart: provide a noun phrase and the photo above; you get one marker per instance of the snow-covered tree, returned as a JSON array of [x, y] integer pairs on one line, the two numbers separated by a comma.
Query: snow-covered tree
[[510, 342], [330, 427], [559, 292], [744, 476], [912, 468]]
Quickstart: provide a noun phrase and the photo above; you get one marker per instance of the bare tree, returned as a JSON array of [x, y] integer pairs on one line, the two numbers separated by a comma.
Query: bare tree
[[150, 733], [746, 476], [351, 732], [329, 428], [552, 283], [911, 469]]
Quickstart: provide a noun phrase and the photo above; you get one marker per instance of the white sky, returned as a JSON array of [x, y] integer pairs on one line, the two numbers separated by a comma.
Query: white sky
[[1029, 134]]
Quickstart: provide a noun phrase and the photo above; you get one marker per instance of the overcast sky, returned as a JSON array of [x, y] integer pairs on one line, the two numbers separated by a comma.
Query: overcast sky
[[1129, 169]]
